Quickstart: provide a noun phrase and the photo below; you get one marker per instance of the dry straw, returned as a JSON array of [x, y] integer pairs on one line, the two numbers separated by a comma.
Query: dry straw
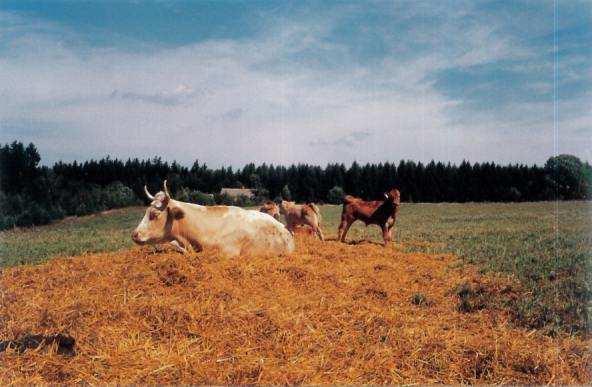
[[330, 313]]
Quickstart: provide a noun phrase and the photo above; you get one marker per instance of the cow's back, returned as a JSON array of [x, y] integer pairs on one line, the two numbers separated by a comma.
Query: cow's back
[[256, 233], [294, 213]]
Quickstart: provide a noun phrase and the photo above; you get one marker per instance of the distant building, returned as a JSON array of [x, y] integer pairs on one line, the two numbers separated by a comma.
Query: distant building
[[236, 192]]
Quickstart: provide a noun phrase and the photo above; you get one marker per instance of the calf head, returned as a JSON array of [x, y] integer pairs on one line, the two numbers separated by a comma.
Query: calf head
[[271, 208], [156, 226], [393, 196], [285, 206]]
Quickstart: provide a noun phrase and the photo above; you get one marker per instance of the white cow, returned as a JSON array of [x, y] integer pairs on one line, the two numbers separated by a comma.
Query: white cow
[[232, 230]]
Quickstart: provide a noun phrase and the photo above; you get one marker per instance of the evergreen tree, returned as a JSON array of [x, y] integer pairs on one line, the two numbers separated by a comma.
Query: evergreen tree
[[31, 194]]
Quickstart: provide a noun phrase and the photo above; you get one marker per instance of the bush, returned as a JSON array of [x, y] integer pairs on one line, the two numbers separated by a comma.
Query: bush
[[204, 198], [117, 195], [569, 176], [240, 201], [7, 221], [78, 199], [82, 209], [513, 195], [261, 196], [286, 193], [244, 201], [35, 214], [12, 204], [335, 195], [198, 197], [223, 199], [19, 210]]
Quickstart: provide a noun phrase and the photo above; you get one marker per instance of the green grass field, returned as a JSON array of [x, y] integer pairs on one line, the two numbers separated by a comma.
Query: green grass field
[[546, 246]]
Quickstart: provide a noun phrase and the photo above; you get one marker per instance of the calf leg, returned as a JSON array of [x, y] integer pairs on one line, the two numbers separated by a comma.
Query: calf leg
[[290, 227], [385, 234], [343, 229], [315, 224], [390, 231], [319, 232]]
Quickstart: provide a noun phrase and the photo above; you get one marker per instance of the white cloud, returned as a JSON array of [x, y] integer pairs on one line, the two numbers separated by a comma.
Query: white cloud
[[232, 102]]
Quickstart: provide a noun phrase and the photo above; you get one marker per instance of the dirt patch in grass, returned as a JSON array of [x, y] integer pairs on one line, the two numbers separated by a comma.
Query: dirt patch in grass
[[64, 345], [169, 273], [329, 313]]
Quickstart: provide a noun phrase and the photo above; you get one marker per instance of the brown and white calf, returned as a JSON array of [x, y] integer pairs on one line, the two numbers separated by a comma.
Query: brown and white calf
[[232, 230], [270, 208], [302, 214], [382, 213]]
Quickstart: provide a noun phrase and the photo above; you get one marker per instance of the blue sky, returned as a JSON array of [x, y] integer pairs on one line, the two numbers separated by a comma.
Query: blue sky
[[230, 82]]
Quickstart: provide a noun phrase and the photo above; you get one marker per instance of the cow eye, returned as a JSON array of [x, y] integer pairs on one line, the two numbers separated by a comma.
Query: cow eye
[[153, 215]]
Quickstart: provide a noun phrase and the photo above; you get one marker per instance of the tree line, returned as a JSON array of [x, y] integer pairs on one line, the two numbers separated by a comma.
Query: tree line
[[33, 194]]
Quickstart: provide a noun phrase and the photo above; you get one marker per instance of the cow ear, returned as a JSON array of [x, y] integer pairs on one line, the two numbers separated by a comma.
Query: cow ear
[[176, 212]]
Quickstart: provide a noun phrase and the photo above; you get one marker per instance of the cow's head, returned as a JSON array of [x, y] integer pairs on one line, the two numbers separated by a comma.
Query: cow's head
[[285, 205], [158, 220], [271, 208], [393, 196]]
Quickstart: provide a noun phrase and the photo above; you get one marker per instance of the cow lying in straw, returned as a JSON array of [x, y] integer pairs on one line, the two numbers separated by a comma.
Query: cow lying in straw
[[232, 230], [380, 212], [270, 208], [302, 214]]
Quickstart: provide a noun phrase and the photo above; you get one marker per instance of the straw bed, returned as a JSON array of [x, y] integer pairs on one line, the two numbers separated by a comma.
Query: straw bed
[[330, 313]]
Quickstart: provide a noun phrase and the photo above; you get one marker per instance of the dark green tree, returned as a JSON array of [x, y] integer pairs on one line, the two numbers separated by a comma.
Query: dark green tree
[[286, 194], [569, 176], [335, 195]]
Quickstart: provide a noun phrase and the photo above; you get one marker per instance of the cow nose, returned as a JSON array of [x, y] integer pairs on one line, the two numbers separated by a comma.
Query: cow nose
[[135, 235]]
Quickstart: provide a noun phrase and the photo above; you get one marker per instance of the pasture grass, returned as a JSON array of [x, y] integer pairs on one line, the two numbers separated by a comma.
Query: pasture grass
[[107, 231], [546, 246]]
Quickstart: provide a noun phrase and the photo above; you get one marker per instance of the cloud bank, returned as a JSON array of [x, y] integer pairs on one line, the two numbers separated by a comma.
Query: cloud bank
[[397, 82]]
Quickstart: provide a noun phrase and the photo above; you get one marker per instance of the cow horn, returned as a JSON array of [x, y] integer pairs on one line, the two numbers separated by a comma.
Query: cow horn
[[166, 190], [148, 193], [386, 195]]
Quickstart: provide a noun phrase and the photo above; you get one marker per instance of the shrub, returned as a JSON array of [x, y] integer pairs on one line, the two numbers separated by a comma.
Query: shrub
[[223, 199], [335, 195], [35, 214], [82, 209], [261, 196], [286, 193], [569, 176], [240, 201], [117, 195], [244, 201], [204, 198], [7, 221], [195, 196]]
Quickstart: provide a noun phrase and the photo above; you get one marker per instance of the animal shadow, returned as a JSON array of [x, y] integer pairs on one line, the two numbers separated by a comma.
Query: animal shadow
[[364, 242]]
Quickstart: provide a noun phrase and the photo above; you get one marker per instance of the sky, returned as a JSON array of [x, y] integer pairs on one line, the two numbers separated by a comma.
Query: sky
[[233, 82]]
